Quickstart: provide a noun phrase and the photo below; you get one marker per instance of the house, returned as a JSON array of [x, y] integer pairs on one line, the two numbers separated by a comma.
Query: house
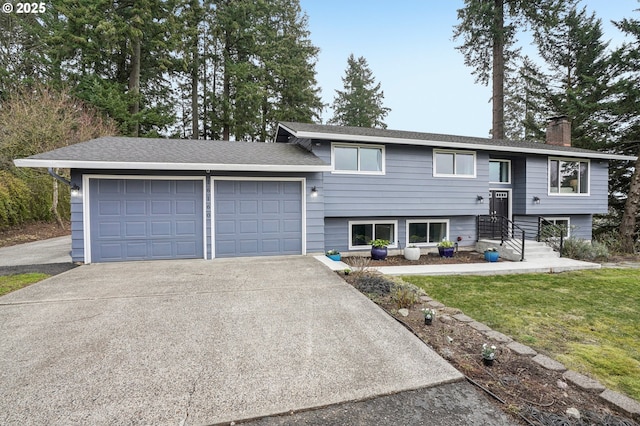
[[318, 187]]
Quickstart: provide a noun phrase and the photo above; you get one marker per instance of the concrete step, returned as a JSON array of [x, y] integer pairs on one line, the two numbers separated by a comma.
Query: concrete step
[[533, 250]]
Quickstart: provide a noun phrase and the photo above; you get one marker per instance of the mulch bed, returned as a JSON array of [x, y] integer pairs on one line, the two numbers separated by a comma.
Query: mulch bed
[[529, 393], [425, 259]]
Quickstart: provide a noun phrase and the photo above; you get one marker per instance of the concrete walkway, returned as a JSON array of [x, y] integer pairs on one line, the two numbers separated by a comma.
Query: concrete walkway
[[202, 342], [486, 268]]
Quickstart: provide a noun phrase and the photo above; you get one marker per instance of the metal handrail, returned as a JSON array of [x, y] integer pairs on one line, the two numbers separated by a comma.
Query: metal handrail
[[551, 234], [508, 232]]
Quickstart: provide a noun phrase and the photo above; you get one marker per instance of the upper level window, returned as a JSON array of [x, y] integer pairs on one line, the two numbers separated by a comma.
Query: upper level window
[[568, 177], [454, 163], [366, 159], [499, 171]]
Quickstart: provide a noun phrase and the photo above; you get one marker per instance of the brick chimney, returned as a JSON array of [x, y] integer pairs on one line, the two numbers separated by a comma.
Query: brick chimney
[[559, 131]]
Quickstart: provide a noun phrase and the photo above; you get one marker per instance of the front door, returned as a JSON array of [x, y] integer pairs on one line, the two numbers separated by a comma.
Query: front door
[[499, 203], [492, 226]]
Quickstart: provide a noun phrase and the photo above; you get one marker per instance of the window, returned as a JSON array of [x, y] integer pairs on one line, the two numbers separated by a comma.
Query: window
[[425, 232], [499, 171], [361, 233], [549, 231], [366, 159], [454, 163], [568, 177]]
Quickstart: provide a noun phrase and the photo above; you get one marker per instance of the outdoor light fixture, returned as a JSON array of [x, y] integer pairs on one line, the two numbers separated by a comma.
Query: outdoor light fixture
[[75, 190], [480, 199], [536, 199], [314, 192]]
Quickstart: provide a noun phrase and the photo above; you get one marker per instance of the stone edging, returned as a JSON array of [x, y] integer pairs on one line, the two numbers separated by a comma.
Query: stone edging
[[625, 404]]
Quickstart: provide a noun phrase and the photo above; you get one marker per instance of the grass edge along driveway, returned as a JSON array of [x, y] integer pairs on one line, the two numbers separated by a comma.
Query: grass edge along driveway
[[9, 283], [588, 320]]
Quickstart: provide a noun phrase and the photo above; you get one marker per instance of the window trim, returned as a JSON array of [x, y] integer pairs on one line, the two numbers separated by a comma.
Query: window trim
[[335, 145], [553, 220], [427, 221], [454, 152], [497, 160], [568, 194], [393, 244]]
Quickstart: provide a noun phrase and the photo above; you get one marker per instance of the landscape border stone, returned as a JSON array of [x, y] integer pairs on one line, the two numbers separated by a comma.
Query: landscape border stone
[[521, 349], [583, 382], [548, 363], [623, 402], [479, 326], [463, 318], [497, 336]]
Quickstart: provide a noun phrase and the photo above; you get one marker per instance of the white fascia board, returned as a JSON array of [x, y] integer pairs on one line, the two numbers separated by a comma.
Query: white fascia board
[[111, 165], [459, 145]]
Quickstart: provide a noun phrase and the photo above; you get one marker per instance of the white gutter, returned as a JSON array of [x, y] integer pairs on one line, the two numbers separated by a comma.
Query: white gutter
[[461, 145], [111, 165]]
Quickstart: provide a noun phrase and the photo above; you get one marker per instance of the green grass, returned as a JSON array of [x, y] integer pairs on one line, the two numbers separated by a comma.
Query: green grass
[[588, 320], [11, 283]]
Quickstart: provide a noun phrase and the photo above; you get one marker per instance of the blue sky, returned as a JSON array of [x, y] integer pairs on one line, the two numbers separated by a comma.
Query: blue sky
[[408, 45]]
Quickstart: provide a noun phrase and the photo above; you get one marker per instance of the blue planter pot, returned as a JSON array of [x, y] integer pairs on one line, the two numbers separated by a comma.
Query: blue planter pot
[[378, 253], [491, 256], [335, 257], [446, 251]]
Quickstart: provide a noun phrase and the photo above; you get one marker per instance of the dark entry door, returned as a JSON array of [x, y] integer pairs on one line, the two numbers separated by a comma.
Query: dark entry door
[[499, 203], [493, 225]]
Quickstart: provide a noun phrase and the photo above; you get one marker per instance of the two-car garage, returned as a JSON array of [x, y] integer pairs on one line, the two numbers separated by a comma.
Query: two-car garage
[[132, 218]]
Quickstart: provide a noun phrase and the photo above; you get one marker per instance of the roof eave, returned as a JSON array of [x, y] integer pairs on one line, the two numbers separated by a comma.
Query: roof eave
[[461, 145], [112, 165]]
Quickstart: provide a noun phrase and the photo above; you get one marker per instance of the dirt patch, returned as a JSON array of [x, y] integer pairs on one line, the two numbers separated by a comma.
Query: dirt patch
[[520, 387], [34, 231]]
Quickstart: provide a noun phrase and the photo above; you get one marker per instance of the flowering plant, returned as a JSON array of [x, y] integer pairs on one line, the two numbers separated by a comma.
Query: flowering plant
[[488, 352], [329, 252], [492, 249], [429, 313]]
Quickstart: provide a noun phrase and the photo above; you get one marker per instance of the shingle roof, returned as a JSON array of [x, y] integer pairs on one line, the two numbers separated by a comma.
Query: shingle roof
[[179, 154], [364, 134]]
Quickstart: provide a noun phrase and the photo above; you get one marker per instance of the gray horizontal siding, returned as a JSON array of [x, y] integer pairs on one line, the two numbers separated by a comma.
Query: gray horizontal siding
[[337, 230], [581, 225], [537, 184], [407, 188]]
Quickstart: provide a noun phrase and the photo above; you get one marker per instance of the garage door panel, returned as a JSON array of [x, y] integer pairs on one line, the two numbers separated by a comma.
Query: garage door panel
[[135, 207], [163, 219], [109, 208], [186, 228], [109, 230], [186, 207], [135, 229], [251, 218], [161, 207], [134, 186]]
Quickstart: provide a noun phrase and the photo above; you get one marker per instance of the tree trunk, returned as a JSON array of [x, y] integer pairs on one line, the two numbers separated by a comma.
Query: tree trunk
[[54, 203], [195, 125], [134, 85], [497, 132], [631, 210]]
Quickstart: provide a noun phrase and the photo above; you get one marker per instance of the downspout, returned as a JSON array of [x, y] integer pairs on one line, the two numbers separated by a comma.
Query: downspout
[[58, 177]]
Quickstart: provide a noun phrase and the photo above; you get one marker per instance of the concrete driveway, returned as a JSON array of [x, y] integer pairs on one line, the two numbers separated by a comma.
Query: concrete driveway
[[199, 342]]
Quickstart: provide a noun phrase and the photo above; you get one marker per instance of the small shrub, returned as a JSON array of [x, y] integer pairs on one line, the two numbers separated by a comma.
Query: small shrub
[[369, 282], [360, 265], [404, 296], [579, 249]]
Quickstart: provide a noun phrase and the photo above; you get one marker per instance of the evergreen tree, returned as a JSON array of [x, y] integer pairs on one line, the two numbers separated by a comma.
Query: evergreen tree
[[627, 110], [360, 103], [488, 29]]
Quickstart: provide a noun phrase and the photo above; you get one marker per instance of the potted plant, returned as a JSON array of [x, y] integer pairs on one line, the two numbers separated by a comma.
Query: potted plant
[[488, 354], [333, 255], [429, 315], [491, 254], [379, 249], [445, 248], [412, 252]]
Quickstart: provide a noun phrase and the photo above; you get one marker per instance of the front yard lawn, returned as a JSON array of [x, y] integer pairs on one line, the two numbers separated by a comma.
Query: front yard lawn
[[588, 320], [11, 283]]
